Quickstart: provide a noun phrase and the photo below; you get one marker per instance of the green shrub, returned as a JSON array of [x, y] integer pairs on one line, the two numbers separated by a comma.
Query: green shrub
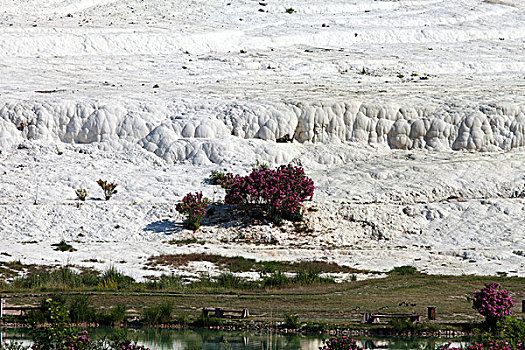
[[207, 321], [112, 278], [403, 325], [59, 334], [217, 177], [80, 309], [291, 321], [63, 246], [229, 280], [194, 207], [183, 319], [276, 279], [59, 278], [316, 327], [159, 314], [165, 282], [311, 274], [513, 330], [403, 271], [114, 316]]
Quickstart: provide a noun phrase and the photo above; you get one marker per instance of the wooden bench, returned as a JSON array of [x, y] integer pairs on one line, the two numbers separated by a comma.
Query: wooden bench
[[376, 317], [22, 309], [222, 313]]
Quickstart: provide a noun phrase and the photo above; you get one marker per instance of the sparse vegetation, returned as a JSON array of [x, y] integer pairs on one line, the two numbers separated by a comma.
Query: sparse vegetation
[[364, 71], [63, 246], [81, 194], [108, 188], [284, 139], [217, 177]]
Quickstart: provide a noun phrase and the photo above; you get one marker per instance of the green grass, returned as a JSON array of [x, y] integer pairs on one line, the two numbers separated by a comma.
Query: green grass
[[330, 304]]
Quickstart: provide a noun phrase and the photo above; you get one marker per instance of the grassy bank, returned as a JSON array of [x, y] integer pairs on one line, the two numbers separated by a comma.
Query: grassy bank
[[319, 301]]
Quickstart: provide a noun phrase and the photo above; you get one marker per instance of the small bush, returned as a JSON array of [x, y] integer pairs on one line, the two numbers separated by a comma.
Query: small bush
[[217, 177], [403, 325], [183, 320], [290, 10], [207, 321], [63, 246], [284, 139], [114, 316], [229, 280], [112, 278], [165, 282], [58, 335], [194, 206], [81, 194], [159, 314], [403, 271], [316, 327], [80, 309], [260, 165], [59, 278], [108, 188], [311, 274], [276, 279], [291, 322]]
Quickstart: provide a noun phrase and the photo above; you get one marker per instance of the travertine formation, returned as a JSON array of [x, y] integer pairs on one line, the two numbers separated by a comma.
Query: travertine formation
[[177, 133], [408, 115]]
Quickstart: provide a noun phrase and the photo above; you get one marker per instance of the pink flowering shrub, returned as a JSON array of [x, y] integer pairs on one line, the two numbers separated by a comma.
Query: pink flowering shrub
[[130, 346], [280, 192], [493, 302], [194, 206], [340, 343], [79, 341]]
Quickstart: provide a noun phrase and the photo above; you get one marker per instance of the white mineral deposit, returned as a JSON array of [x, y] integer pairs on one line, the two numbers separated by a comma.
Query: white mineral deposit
[[408, 115]]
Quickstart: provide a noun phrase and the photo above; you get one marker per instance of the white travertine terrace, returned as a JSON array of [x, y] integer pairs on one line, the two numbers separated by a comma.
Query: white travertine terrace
[[409, 116]]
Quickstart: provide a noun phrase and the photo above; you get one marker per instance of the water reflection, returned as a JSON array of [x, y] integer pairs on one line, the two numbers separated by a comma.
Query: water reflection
[[189, 339]]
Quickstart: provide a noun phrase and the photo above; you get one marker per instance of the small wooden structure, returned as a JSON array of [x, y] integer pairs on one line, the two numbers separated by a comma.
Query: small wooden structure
[[376, 317], [219, 312], [20, 310], [431, 312]]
